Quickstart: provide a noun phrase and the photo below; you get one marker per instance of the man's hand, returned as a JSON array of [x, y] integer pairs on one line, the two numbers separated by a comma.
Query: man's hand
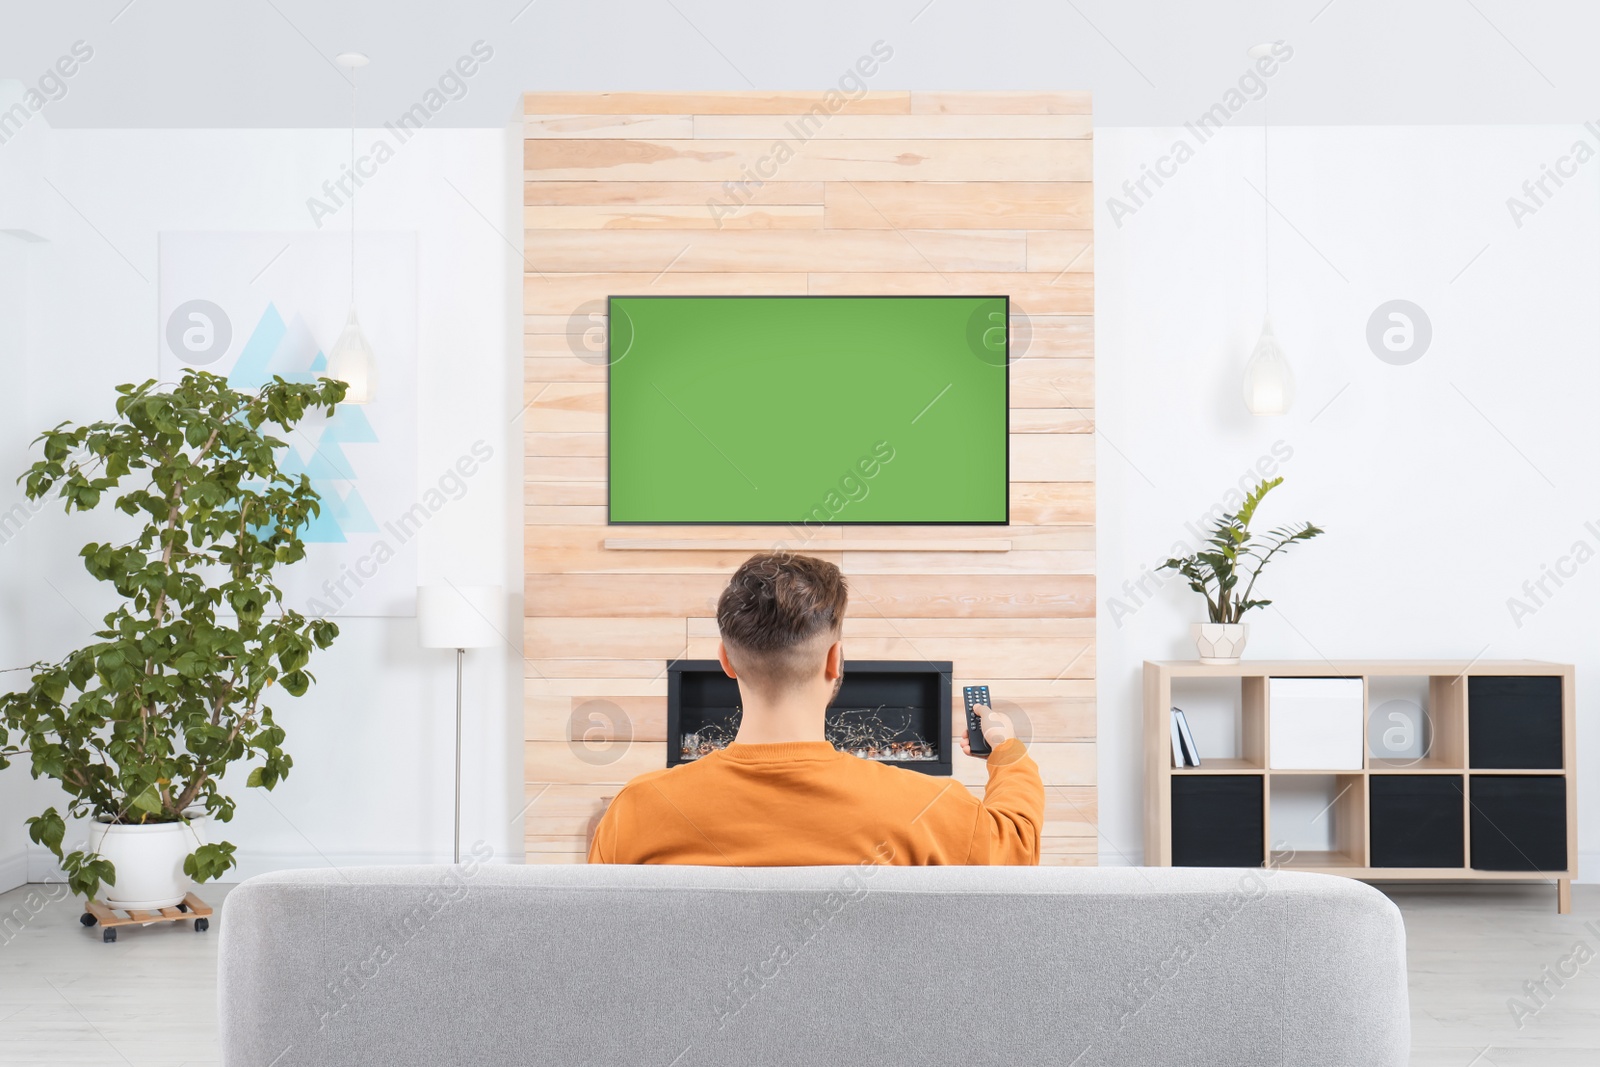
[[997, 728]]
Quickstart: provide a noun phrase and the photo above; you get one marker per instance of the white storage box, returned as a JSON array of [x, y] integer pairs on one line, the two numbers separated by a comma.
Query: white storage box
[[1315, 724]]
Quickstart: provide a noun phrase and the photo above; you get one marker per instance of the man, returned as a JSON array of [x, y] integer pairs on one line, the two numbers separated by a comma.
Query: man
[[780, 795]]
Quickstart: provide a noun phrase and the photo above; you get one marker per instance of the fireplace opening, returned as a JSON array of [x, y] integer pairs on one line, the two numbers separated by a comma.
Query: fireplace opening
[[890, 711]]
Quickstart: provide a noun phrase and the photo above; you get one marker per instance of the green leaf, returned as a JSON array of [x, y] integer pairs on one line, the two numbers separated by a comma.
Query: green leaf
[[48, 829], [209, 862], [1235, 555], [147, 800], [86, 871], [166, 695]]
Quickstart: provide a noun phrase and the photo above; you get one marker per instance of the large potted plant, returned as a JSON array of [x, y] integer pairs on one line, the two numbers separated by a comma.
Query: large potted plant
[[139, 725], [1233, 554]]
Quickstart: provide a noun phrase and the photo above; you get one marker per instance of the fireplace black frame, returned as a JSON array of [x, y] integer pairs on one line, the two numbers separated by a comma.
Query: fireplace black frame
[[863, 673]]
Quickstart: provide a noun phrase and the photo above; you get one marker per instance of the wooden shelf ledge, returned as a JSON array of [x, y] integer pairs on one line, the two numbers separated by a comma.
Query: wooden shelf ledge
[[1298, 861], [753, 544]]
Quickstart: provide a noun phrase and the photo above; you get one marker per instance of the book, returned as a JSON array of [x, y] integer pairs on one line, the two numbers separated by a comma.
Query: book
[[1178, 757], [1191, 753]]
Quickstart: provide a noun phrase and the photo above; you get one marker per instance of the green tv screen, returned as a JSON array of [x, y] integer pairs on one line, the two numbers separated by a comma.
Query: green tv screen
[[808, 410]]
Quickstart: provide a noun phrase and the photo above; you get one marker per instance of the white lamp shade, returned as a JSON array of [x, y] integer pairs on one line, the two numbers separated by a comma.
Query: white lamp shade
[[460, 616], [1268, 381], [351, 361]]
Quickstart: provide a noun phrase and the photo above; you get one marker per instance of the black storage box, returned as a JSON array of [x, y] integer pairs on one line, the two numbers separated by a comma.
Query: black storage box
[[1217, 820], [1514, 723], [1416, 820], [1519, 822]]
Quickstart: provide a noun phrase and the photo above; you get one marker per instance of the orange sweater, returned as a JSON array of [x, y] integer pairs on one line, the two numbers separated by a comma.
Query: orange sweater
[[805, 803]]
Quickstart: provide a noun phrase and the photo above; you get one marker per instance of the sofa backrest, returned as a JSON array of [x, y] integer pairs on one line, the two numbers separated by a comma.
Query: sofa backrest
[[684, 966]]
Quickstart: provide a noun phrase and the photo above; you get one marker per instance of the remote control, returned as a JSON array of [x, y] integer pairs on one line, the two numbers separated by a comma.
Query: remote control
[[975, 695]]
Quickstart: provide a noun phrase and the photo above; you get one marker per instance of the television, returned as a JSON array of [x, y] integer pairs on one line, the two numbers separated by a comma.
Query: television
[[808, 410]]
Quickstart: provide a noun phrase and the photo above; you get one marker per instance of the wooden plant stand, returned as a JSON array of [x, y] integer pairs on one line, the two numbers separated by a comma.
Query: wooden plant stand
[[111, 918]]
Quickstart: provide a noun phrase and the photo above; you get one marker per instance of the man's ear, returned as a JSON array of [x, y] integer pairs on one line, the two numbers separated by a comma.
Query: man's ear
[[833, 666], [722, 657]]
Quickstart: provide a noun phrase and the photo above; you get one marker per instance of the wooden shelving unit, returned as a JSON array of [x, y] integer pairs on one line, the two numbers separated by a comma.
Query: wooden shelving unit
[[1354, 813]]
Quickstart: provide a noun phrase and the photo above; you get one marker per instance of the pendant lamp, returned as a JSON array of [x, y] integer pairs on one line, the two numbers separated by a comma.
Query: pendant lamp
[[351, 360], [1268, 379]]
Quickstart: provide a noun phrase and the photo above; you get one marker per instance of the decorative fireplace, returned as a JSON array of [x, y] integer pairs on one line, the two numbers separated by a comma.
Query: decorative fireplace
[[892, 711]]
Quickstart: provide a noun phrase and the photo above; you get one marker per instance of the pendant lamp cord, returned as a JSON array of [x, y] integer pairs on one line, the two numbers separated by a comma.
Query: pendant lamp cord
[[353, 185], [1266, 220]]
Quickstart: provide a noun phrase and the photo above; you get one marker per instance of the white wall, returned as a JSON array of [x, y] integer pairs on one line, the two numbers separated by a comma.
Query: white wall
[[14, 785], [21, 158], [1430, 478], [373, 741], [1443, 485]]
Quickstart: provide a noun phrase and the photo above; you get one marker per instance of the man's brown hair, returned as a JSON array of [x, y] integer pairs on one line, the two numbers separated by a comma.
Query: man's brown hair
[[778, 615]]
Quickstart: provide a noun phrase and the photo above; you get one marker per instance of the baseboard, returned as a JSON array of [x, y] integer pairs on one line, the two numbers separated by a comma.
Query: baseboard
[[13, 870], [254, 862], [38, 865], [1121, 859], [1588, 865], [42, 866]]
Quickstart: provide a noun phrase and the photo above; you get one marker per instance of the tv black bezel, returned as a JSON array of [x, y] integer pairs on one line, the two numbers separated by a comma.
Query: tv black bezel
[[611, 520]]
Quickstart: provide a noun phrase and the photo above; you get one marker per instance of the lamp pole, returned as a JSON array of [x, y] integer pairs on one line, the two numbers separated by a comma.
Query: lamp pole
[[459, 617], [461, 654]]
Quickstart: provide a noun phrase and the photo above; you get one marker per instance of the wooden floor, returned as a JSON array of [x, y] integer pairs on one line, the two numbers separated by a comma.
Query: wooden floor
[[66, 998], [150, 999], [1472, 948]]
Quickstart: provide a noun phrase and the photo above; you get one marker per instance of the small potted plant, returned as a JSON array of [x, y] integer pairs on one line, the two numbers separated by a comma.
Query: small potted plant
[[1233, 554], [139, 725]]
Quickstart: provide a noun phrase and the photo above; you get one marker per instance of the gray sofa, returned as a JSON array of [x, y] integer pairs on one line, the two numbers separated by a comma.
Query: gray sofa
[[686, 966]]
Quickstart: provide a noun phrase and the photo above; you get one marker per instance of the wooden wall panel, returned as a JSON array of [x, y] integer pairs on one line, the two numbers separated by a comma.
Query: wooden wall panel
[[968, 206], [892, 192], [653, 251], [690, 194], [819, 159], [711, 103]]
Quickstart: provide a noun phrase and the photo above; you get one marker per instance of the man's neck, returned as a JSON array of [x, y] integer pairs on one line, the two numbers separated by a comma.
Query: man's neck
[[768, 722]]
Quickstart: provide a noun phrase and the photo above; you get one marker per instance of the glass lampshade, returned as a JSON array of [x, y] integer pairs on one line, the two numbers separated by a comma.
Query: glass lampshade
[[1268, 381], [351, 361]]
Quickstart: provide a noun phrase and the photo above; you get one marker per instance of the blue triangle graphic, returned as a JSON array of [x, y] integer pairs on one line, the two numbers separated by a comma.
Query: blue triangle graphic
[[322, 529], [250, 369], [294, 355], [330, 462], [350, 425], [325, 464], [357, 518], [332, 502]]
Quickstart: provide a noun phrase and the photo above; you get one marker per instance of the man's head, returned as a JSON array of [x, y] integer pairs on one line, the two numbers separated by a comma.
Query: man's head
[[780, 618]]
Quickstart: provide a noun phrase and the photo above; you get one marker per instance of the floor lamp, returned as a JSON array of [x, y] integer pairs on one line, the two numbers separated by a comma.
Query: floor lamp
[[459, 617]]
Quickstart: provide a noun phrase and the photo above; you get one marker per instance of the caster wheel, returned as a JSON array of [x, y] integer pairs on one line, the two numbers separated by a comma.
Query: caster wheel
[[202, 925], [87, 919], [108, 935], [183, 907]]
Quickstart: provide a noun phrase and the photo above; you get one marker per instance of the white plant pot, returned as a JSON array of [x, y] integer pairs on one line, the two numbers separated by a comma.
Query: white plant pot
[[1220, 642], [149, 861]]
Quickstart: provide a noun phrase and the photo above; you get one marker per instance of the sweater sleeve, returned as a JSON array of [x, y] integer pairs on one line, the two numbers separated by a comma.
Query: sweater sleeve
[[1009, 821]]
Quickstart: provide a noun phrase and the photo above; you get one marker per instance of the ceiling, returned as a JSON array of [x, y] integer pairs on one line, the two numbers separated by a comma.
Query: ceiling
[[268, 63]]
